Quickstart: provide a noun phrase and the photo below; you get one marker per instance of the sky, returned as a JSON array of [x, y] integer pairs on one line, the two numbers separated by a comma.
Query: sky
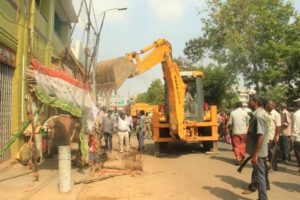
[[142, 23]]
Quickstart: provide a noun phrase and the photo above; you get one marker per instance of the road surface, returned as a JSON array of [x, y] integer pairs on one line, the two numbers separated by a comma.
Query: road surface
[[185, 173]]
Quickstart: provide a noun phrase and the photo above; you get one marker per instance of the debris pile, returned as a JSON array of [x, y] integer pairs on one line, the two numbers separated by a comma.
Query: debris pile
[[115, 164]]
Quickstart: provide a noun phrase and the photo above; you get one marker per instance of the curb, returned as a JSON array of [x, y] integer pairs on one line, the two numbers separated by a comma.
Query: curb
[[7, 164]]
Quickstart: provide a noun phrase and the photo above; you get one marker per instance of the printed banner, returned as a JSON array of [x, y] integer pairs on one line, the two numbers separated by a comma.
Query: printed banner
[[68, 89]]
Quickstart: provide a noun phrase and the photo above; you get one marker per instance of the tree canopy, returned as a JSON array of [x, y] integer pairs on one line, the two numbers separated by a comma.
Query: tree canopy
[[154, 94], [257, 39]]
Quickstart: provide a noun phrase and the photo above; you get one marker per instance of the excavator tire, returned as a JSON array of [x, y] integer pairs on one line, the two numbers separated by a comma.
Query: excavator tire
[[160, 147], [207, 145]]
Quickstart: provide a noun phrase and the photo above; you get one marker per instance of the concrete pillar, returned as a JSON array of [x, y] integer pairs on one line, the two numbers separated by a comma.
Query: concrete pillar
[[64, 169]]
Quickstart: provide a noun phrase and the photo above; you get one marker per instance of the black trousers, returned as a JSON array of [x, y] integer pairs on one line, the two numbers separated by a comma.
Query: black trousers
[[297, 152]]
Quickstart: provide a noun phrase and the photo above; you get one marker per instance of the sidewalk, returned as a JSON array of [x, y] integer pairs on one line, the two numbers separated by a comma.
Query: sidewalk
[[17, 182], [7, 164]]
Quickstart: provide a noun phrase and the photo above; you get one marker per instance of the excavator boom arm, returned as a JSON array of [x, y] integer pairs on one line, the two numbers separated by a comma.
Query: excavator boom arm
[[155, 54]]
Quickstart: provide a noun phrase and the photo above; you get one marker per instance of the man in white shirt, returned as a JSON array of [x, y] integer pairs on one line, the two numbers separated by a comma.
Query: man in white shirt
[[296, 132], [238, 123], [130, 122], [123, 129], [274, 124], [284, 138]]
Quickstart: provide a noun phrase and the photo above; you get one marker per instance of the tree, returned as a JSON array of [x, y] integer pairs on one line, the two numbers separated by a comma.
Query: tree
[[154, 94], [141, 98], [256, 39], [217, 86], [286, 55]]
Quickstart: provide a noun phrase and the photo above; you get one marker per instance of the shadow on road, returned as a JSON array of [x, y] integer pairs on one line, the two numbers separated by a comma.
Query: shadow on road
[[234, 182], [175, 149], [287, 170], [224, 149], [224, 193], [224, 159], [229, 161], [291, 187]]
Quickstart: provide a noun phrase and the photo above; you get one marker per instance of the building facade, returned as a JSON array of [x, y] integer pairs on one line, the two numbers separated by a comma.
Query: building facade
[[37, 29]]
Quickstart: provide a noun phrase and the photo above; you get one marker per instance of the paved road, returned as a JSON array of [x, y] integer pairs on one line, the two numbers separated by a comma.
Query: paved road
[[186, 172]]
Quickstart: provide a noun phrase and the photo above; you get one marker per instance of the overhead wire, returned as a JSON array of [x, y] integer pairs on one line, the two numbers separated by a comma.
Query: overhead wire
[[80, 8], [95, 18]]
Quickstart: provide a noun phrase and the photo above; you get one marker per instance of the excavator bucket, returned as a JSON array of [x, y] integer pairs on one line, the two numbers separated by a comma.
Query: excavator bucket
[[110, 74]]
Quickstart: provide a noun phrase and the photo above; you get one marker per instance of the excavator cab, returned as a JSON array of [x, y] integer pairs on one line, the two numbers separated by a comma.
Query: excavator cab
[[193, 101]]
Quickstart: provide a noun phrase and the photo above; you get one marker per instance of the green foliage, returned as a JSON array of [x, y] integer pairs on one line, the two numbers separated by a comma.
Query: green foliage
[[258, 39], [229, 100], [217, 86], [141, 98], [194, 49], [276, 93], [154, 94]]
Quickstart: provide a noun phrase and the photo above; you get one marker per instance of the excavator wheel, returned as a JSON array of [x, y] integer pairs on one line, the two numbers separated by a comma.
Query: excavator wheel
[[160, 147], [207, 145]]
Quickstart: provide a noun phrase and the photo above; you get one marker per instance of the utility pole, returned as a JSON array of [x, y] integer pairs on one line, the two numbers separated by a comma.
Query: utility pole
[[86, 49]]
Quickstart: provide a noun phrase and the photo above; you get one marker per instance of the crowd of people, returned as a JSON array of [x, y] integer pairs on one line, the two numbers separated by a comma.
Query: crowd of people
[[120, 123], [268, 134]]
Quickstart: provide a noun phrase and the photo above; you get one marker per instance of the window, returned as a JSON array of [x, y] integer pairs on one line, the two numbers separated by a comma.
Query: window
[[57, 24], [37, 3]]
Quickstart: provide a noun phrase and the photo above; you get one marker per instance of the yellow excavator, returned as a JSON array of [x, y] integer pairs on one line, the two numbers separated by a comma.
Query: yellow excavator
[[185, 120]]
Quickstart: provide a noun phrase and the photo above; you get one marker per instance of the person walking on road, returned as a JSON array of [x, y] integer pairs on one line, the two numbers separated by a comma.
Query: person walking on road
[[296, 132], [257, 147], [148, 123], [108, 128], [98, 124], [130, 122], [238, 123], [141, 131], [274, 125], [285, 136]]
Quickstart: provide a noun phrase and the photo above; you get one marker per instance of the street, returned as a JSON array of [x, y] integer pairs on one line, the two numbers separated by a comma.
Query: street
[[186, 172]]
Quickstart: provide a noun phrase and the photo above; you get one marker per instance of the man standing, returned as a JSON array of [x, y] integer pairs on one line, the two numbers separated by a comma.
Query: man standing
[[130, 122], [148, 132], [108, 128], [257, 147], [274, 124], [141, 130], [98, 124], [296, 132], [284, 138], [123, 129], [238, 123]]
